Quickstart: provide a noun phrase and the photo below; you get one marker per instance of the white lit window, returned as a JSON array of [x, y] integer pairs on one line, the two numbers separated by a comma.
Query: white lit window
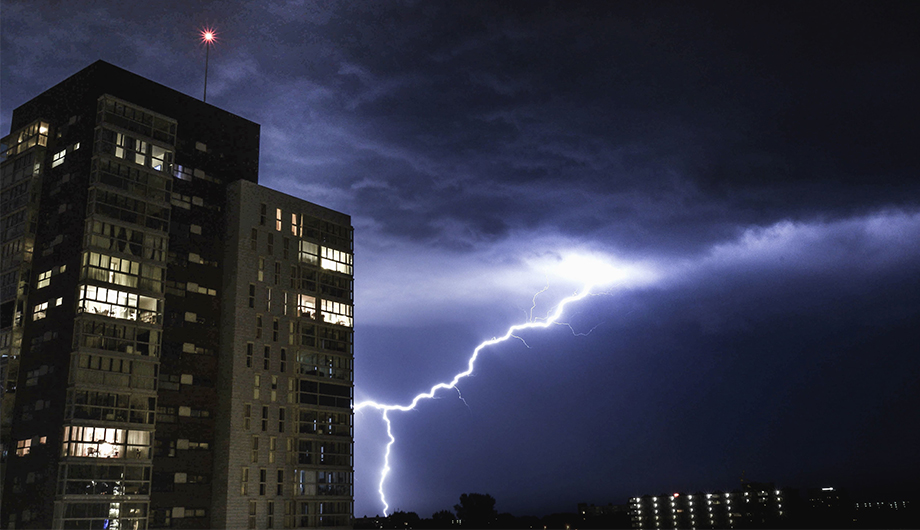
[[58, 158], [118, 304], [41, 311], [336, 260], [337, 313], [278, 219], [44, 279]]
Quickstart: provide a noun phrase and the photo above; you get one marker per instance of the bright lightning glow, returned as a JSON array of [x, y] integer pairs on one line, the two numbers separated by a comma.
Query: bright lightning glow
[[594, 271]]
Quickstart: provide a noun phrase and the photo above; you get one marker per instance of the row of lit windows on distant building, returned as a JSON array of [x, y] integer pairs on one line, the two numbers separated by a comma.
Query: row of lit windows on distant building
[[668, 510]]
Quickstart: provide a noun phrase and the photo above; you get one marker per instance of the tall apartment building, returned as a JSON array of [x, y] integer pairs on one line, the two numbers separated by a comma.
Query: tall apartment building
[[176, 340]]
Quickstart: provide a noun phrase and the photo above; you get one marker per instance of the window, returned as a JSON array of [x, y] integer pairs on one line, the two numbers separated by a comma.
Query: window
[[286, 247], [44, 279], [100, 442], [263, 213], [249, 348], [195, 229], [261, 269], [281, 419], [201, 146], [283, 360], [306, 305], [278, 219], [244, 481], [40, 311], [268, 300], [272, 445], [58, 158], [252, 295], [337, 313], [254, 239], [308, 253], [120, 304], [266, 357], [247, 417], [258, 326], [270, 246], [277, 278], [264, 418], [336, 260], [254, 457], [275, 329], [23, 447], [279, 490], [263, 477]]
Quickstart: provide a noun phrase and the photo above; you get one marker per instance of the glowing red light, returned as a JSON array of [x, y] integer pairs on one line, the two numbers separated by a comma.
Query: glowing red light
[[677, 494], [208, 35]]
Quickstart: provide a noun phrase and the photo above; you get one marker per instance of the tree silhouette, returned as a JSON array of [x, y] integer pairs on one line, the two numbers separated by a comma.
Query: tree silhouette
[[443, 515], [476, 510]]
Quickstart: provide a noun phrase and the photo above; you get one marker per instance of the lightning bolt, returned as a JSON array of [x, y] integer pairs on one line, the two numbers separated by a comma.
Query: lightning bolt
[[531, 323]]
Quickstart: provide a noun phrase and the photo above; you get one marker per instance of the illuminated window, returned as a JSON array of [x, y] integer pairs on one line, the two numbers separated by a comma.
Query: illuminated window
[[23, 447], [337, 313], [278, 219], [306, 306], [336, 260], [58, 158], [244, 481], [119, 304], [44, 279], [99, 442], [40, 311]]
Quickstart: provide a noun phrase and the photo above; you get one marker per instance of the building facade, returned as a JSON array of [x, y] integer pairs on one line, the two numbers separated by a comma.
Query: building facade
[[157, 317]]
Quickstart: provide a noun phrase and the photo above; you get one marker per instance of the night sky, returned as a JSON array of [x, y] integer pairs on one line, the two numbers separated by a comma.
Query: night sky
[[751, 170]]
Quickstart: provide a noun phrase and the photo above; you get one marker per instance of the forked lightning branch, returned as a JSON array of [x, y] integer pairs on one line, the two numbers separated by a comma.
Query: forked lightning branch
[[600, 273]]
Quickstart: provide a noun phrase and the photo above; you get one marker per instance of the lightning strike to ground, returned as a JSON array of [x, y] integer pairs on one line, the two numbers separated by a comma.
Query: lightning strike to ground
[[551, 319]]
